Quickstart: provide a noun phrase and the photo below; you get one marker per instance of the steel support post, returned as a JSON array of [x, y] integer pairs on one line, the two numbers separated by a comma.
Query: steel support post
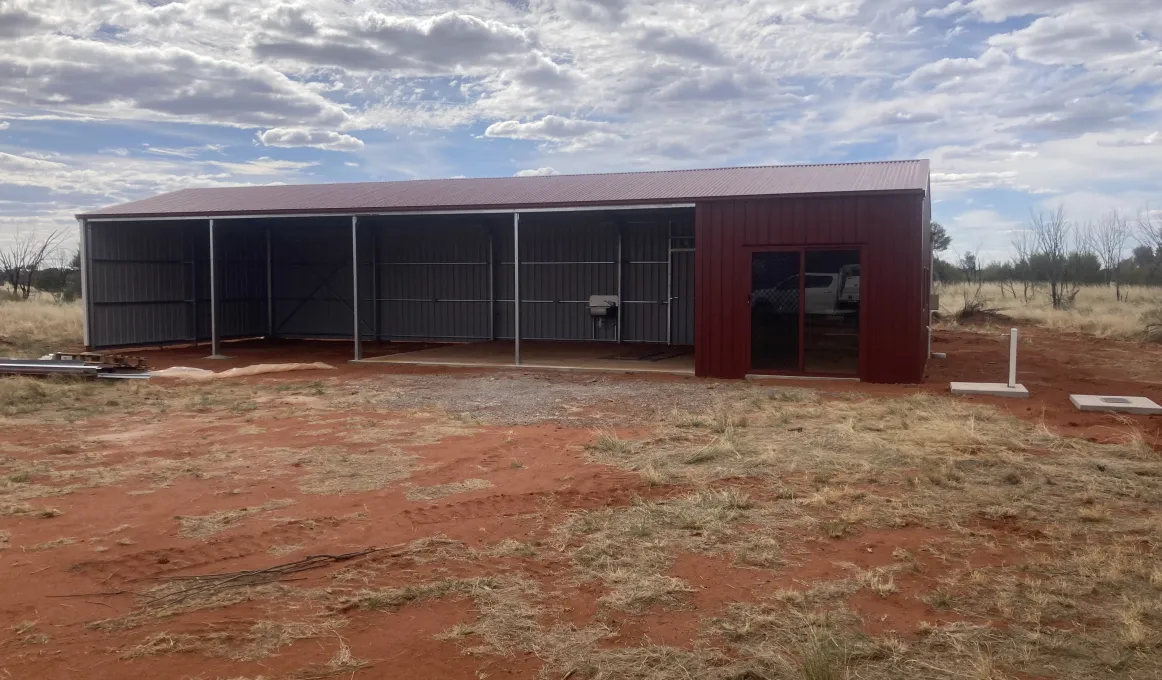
[[355, 286], [516, 286]]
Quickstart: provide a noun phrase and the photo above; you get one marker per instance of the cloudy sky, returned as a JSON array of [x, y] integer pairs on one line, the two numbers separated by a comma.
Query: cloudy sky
[[1019, 103]]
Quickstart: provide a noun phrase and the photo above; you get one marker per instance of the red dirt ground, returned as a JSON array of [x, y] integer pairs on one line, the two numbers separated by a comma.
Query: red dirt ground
[[64, 588], [1051, 365]]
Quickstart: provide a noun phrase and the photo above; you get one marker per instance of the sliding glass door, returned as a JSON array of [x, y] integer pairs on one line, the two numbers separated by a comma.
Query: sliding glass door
[[774, 310], [804, 310]]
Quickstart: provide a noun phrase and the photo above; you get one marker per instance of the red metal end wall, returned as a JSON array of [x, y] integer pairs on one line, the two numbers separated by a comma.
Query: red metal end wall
[[893, 286]]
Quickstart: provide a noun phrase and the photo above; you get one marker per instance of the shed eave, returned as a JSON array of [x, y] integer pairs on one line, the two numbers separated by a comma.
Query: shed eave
[[409, 210], [477, 209]]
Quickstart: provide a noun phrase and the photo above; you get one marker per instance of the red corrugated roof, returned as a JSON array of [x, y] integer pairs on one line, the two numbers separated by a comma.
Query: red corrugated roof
[[533, 192]]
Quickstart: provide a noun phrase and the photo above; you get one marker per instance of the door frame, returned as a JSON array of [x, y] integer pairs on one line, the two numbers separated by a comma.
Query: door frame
[[748, 336]]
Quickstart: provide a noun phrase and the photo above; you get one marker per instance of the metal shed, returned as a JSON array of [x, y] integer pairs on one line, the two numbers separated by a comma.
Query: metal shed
[[799, 270]]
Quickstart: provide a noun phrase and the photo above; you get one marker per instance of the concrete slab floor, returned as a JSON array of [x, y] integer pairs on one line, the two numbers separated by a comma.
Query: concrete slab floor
[[990, 389], [1140, 406], [580, 356]]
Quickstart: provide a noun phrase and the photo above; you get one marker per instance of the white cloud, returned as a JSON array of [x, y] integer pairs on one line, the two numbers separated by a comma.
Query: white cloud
[[569, 132], [294, 137], [451, 42], [664, 40], [3, 125], [959, 181], [1151, 139], [57, 73], [262, 167], [595, 11], [537, 172], [16, 21], [1073, 38], [182, 152]]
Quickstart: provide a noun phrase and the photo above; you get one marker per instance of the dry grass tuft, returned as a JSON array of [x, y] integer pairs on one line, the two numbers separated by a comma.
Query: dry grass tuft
[[343, 662], [822, 657], [25, 510], [1094, 513], [647, 662], [334, 471], [391, 599], [1135, 633], [204, 526], [25, 633], [610, 443], [49, 545], [631, 548], [259, 641], [431, 493], [633, 590], [155, 604]]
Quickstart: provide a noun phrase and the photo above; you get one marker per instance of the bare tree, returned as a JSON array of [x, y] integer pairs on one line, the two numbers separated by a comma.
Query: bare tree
[[1053, 235], [24, 255], [1024, 244], [1108, 240], [1149, 232]]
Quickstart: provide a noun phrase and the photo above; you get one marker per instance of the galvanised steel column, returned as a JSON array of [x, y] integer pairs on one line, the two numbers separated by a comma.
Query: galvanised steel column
[[670, 283], [84, 225], [621, 308], [355, 285], [215, 342], [375, 311], [516, 285], [269, 288], [491, 284]]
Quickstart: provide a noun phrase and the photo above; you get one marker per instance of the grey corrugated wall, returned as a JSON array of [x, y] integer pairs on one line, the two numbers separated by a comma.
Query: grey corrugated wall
[[311, 275], [150, 282], [683, 276], [141, 282], [421, 278], [432, 277]]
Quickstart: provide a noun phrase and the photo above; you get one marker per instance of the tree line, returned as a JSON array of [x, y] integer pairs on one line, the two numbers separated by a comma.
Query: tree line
[[1057, 256]]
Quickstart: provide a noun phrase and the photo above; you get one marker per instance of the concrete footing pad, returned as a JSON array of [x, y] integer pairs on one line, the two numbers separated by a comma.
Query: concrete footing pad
[[990, 389], [1140, 406]]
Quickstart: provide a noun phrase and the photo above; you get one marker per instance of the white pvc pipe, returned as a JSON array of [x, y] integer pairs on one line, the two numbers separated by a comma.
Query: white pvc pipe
[[1013, 333]]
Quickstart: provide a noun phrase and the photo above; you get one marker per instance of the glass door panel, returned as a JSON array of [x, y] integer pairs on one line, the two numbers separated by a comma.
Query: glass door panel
[[831, 305], [774, 311]]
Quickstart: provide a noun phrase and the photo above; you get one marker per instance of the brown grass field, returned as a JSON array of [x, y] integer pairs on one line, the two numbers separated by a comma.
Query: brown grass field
[[1096, 310], [584, 526]]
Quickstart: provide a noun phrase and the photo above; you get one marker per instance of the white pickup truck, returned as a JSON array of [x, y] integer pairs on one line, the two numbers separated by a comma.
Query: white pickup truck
[[836, 293]]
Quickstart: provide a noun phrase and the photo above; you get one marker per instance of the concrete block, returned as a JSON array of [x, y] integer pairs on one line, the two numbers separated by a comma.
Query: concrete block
[[990, 389], [1140, 406]]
